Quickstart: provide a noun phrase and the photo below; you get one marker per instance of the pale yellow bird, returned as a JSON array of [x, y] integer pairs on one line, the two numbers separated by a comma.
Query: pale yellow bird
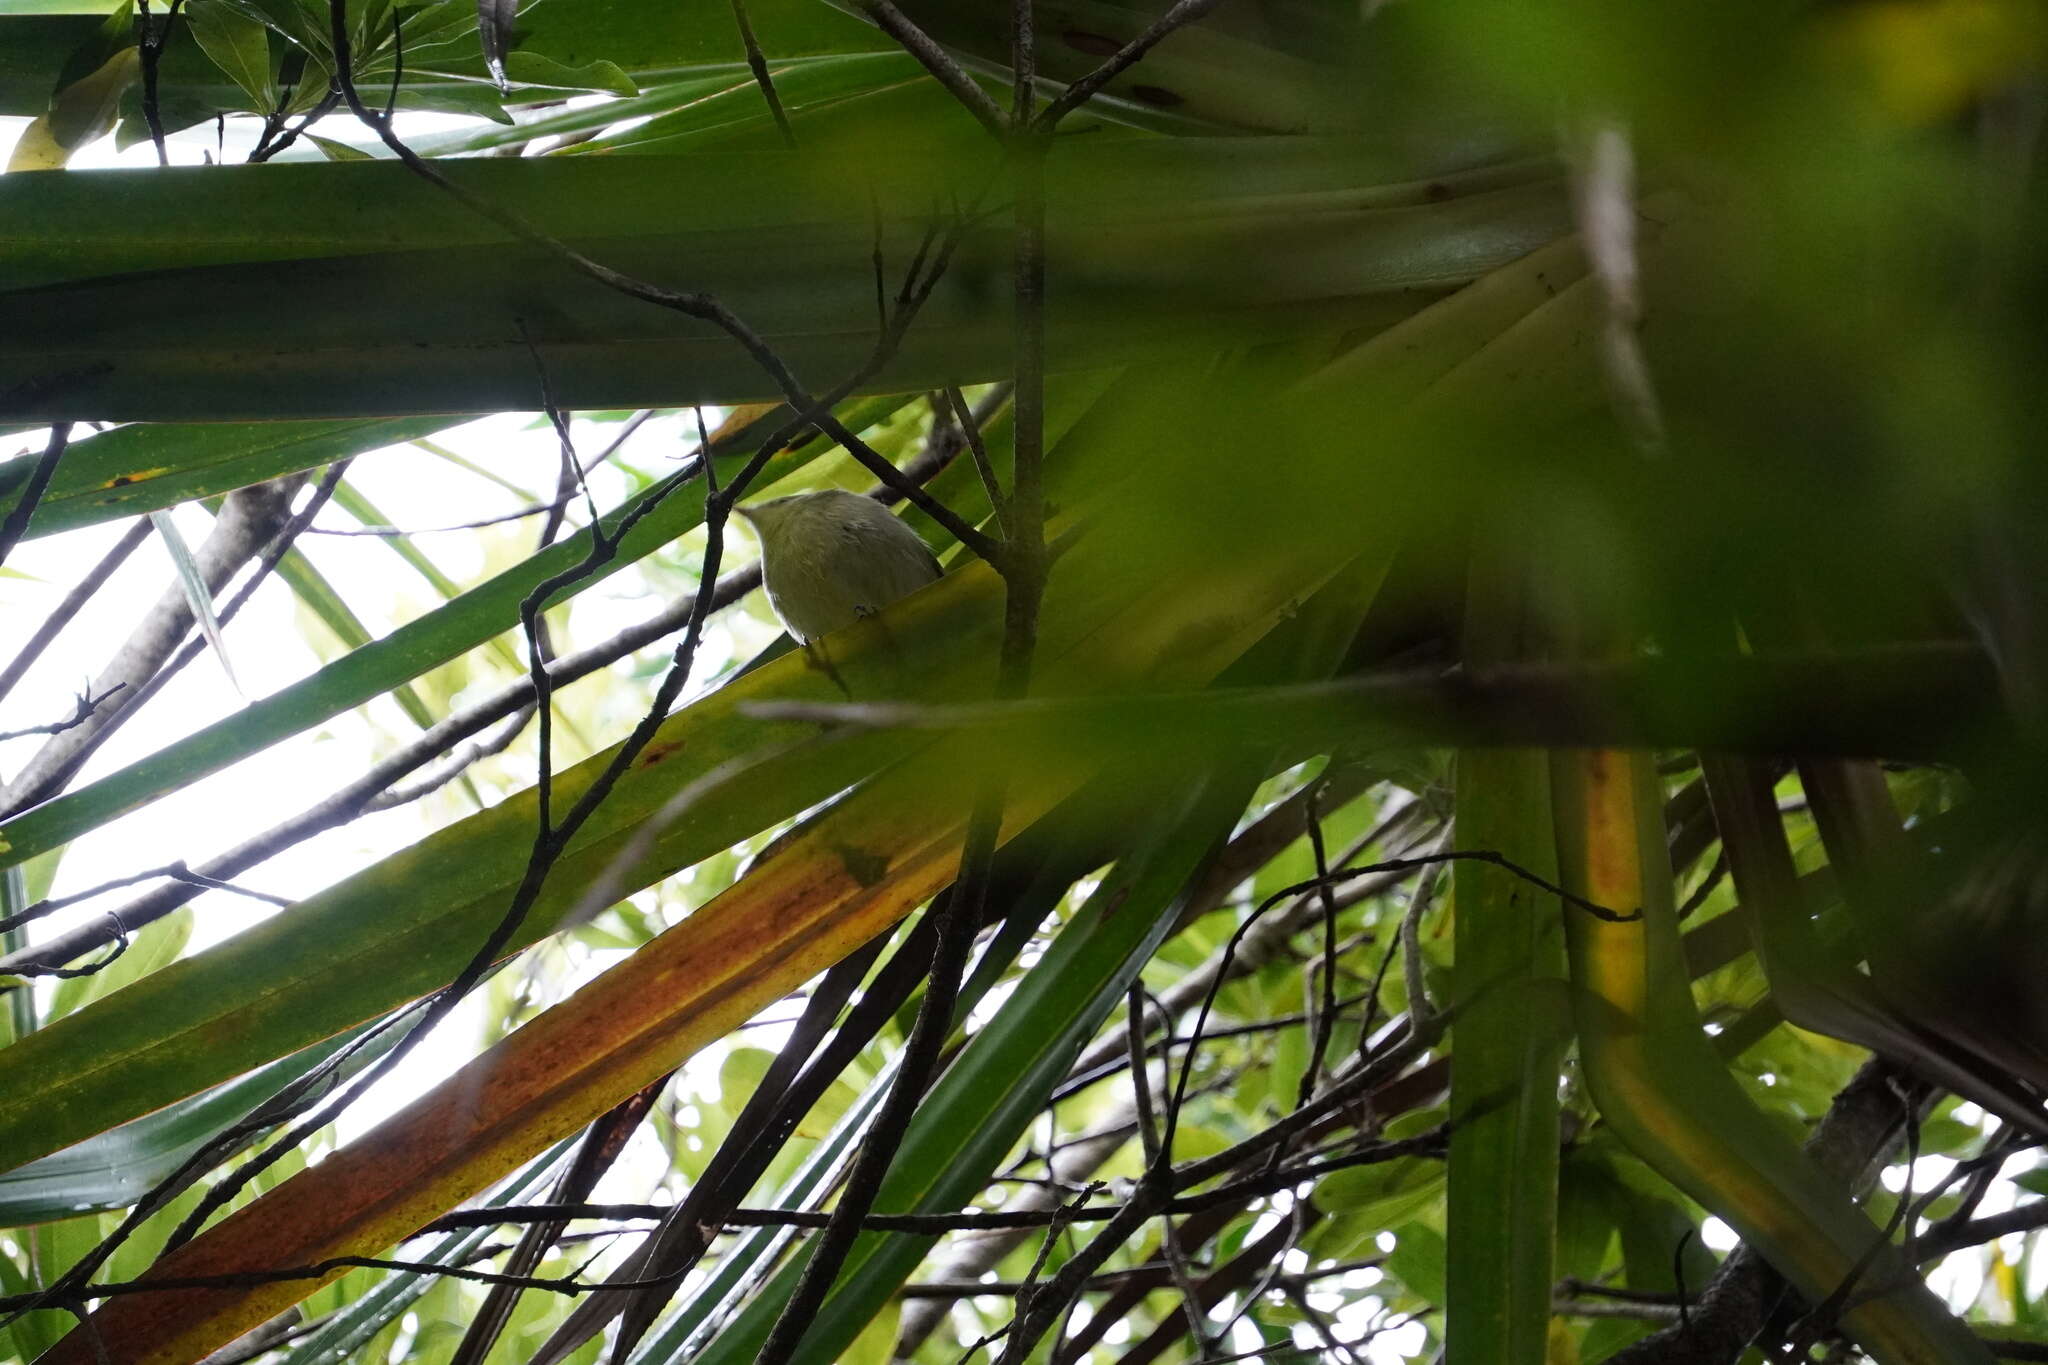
[[829, 559]]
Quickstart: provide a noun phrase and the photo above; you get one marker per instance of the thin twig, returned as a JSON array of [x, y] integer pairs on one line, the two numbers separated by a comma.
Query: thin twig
[[177, 872], [150, 41], [74, 602], [631, 425], [458, 763], [1158, 1163], [758, 64], [1326, 1014], [16, 524], [970, 427], [82, 710], [265, 149]]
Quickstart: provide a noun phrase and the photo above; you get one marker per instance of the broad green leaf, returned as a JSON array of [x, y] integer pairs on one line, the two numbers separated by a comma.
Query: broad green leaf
[[1418, 1259], [533, 69], [1383, 1195], [338, 151], [238, 45], [876, 1344], [95, 72]]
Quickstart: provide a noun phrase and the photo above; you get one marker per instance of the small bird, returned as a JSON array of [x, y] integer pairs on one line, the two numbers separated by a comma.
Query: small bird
[[830, 558]]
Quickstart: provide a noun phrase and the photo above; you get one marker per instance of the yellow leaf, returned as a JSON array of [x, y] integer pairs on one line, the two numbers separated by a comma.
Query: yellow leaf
[[79, 113]]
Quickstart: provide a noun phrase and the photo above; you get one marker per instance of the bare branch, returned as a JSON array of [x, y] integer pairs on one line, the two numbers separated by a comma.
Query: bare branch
[[939, 62]]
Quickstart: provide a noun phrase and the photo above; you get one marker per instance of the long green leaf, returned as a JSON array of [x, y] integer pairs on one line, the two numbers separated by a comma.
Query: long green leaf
[[1510, 1031], [1509, 1013], [352, 501], [117, 1167], [738, 107], [311, 587], [198, 593], [147, 466], [1152, 245]]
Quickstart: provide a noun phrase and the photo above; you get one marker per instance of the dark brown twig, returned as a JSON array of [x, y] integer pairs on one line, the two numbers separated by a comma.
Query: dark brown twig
[[1326, 1014], [1158, 1164], [149, 47]]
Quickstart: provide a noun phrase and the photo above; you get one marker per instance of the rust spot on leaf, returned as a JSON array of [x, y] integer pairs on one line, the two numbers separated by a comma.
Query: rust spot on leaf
[[1094, 44], [1157, 96], [119, 481], [656, 753], [1436, 191], [863, 866]]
